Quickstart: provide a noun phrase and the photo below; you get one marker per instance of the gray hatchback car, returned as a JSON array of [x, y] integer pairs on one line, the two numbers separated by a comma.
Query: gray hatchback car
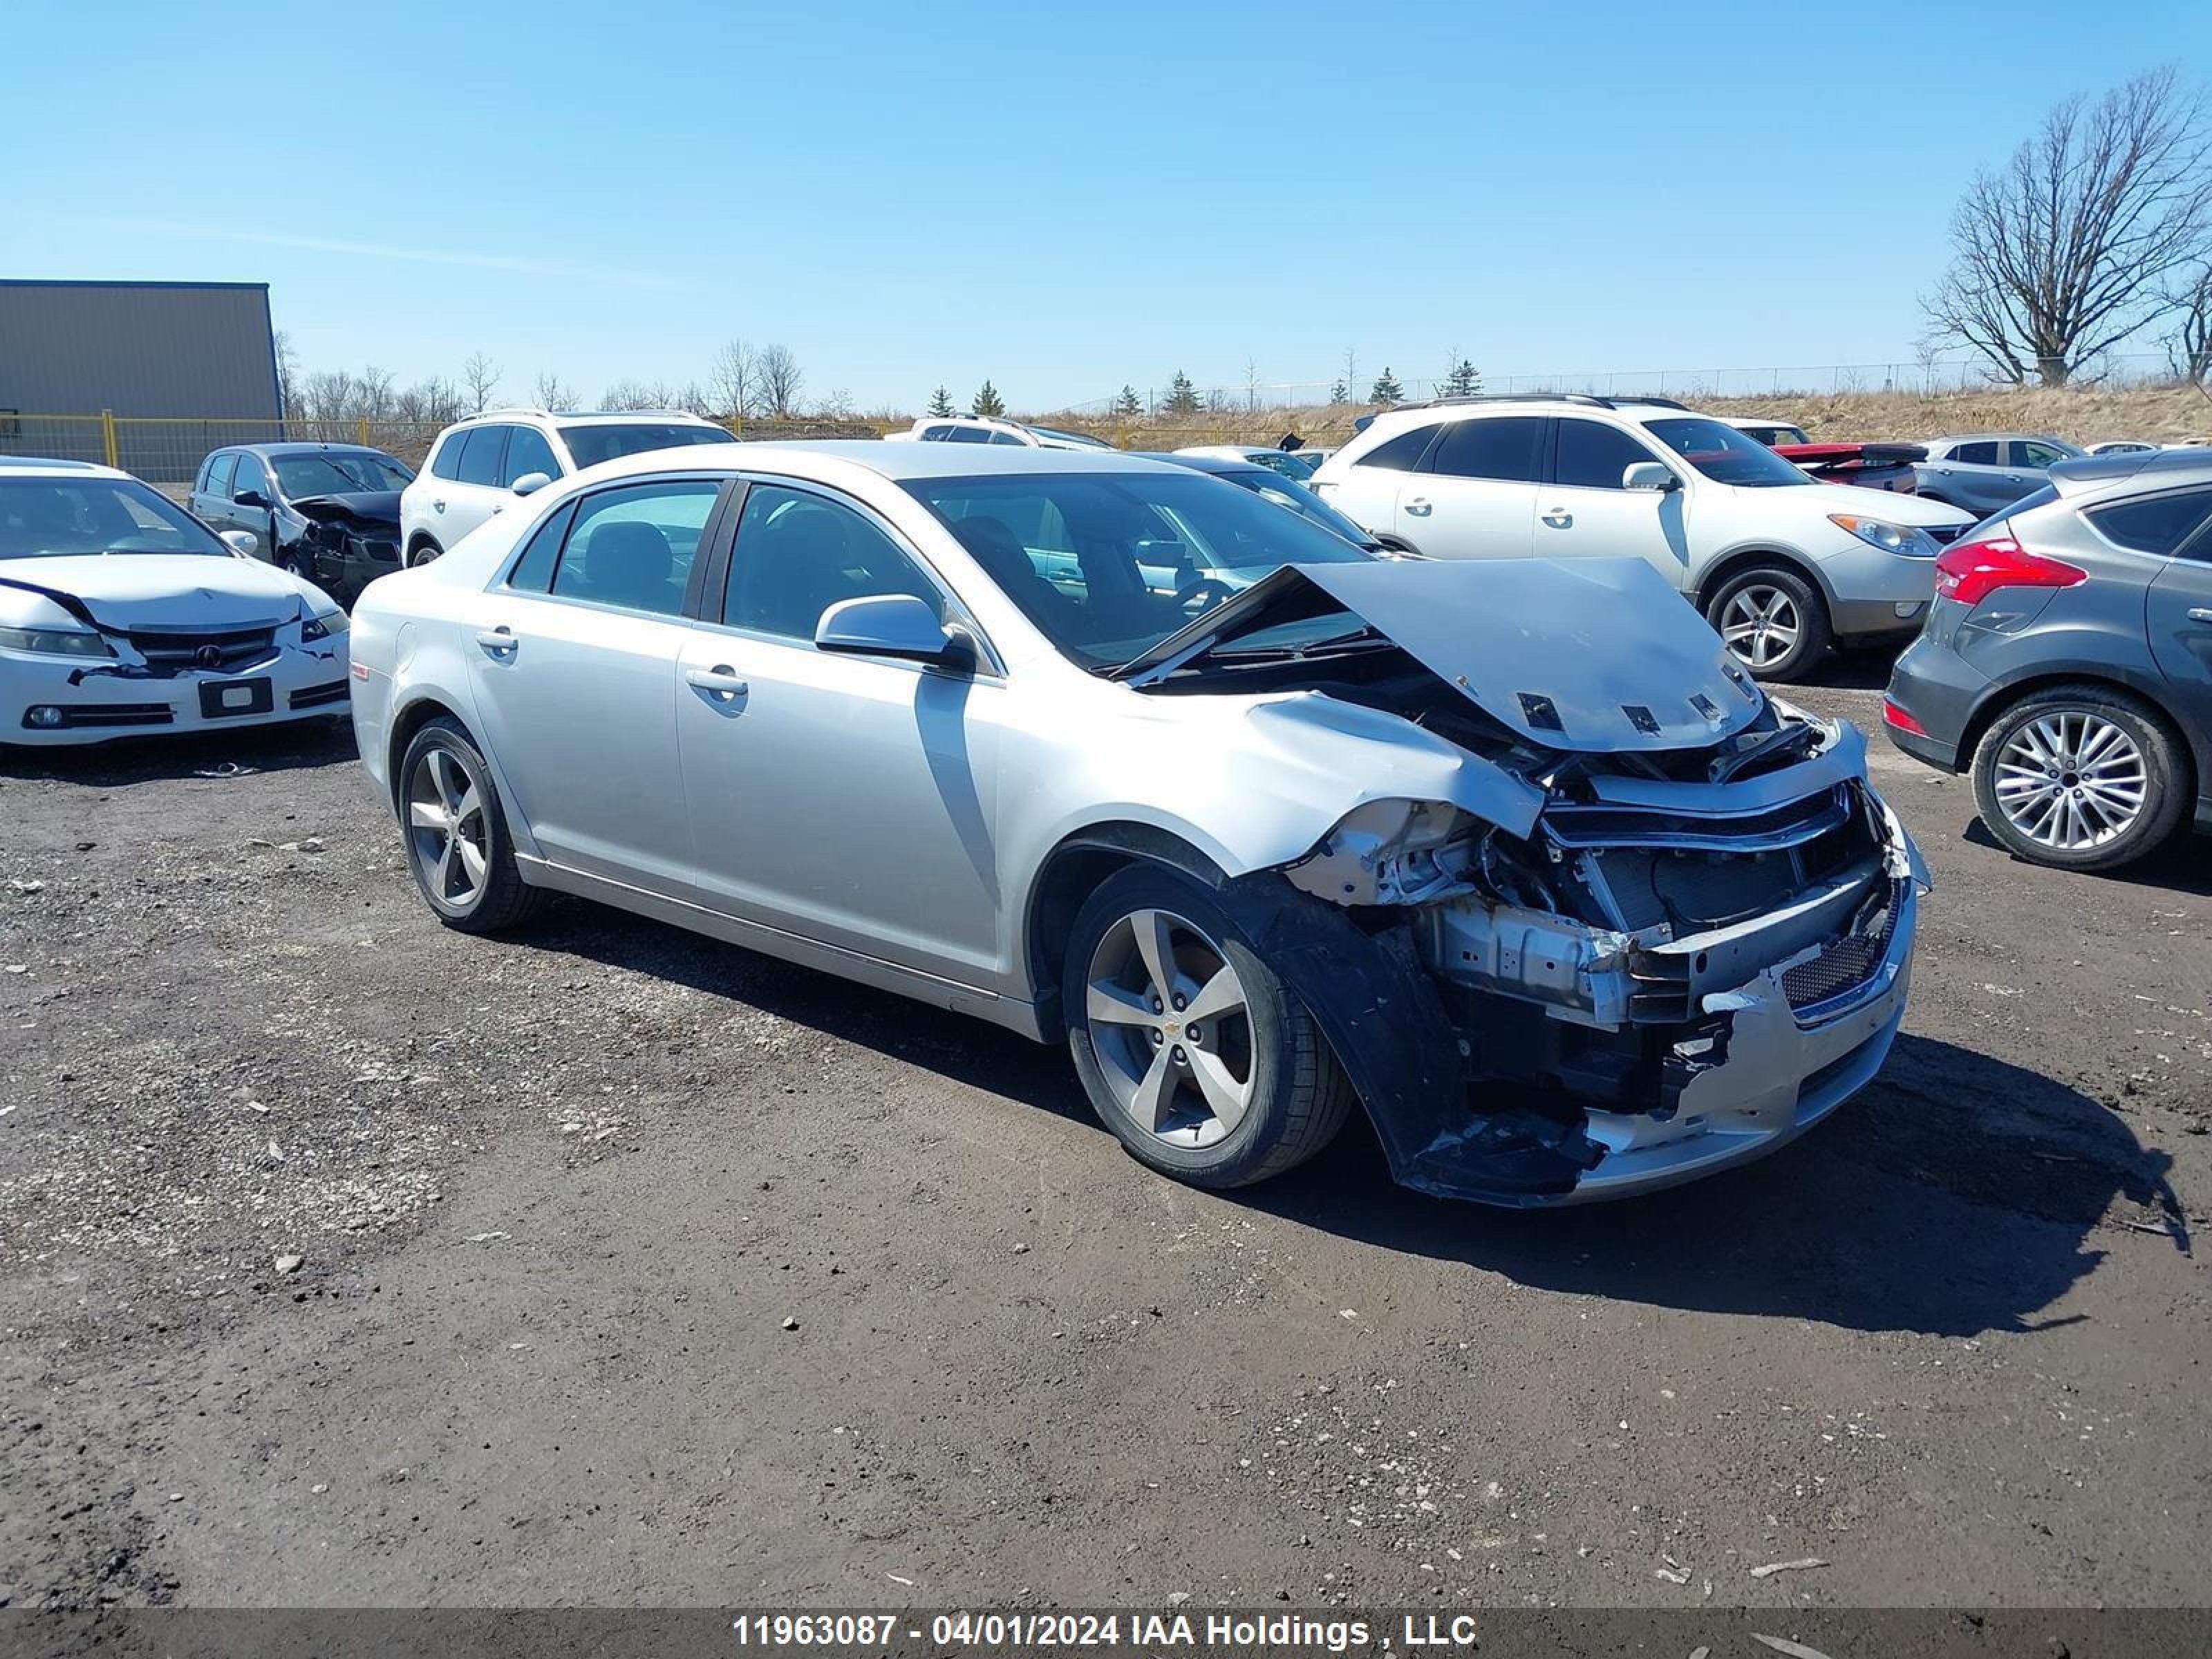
[[2067, 661]]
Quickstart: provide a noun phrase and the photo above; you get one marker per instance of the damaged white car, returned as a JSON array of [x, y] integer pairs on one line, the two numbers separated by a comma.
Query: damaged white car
[[1511, 854], [121, 614]]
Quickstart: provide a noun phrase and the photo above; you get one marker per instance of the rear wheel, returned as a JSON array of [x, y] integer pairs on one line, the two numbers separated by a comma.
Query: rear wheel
[[1773, 621], [423, 552], [2080, 778], [457, 844], [1191, 1050]]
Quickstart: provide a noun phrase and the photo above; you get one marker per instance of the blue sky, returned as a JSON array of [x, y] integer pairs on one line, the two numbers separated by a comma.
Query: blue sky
[[1061, 196]]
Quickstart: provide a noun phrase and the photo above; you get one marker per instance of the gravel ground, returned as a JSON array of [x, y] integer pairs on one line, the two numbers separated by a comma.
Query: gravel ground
[[343, 1259]]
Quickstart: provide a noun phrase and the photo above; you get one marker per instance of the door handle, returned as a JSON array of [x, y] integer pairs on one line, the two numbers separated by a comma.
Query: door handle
[[1558, 518], [1418, 508], [438, 504], [500, 641], [2202, 613], [501, 507], [720, 683]]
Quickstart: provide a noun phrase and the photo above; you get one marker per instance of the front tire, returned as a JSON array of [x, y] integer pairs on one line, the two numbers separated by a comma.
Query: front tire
[[2081, 777], [1773, 621], [457, 842], [1194, 1053]]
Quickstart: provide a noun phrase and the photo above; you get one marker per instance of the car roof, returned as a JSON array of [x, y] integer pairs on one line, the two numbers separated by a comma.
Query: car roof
[[2156, 469], [2000, 437], [894, 461], [277, 451], [563, 417], [45, 466]]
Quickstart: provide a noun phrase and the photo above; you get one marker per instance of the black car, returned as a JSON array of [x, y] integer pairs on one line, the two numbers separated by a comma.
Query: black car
[[2067, 661], [327, 511]]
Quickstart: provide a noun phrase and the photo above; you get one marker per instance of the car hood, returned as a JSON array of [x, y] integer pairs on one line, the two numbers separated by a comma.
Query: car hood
[[1827, 498], [1599, 656], [163, 590], [369, 506]]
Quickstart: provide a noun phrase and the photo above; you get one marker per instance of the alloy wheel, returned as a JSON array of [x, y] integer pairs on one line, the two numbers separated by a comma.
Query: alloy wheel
[[1169, 1024], [2070, 780], [1760, 625], [447, 828]]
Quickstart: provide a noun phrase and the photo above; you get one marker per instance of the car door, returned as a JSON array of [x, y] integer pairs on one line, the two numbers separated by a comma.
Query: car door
[[477, 488], [1475, 497], [251, 505], [1973, 478], [848, 800], [1365, 487], [210, 502], [2178, 603], [573, 664], [1585, 510]]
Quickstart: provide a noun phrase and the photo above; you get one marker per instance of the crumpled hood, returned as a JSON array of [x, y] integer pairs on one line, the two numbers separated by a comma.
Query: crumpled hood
[[1595, 654], [369, 506], [164, 590]]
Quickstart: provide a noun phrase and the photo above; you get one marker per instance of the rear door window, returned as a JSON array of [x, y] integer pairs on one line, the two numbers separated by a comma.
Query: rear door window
[[1979, 454], [446, 463], [483, 455], [2158, 524], [633, 547], [1501, 449]]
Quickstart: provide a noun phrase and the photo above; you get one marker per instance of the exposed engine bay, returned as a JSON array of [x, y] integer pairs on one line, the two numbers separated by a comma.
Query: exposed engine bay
[[1693, 948]]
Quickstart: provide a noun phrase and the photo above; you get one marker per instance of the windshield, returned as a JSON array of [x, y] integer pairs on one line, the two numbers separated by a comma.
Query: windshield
[[1724, 454], [591, 445], [1272, 487], [1107, 564], [302, 476], [53, 518]]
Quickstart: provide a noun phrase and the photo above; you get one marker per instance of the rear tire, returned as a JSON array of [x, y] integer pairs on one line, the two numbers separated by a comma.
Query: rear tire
[[458, 845], [2081, 777], [1228, 1080], [422, 553], [1773, 621]]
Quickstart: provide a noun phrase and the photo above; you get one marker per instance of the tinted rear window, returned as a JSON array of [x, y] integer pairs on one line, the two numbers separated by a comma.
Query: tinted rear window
[[2158, 525], [483, 455], [1401, 453], [1509, 449]]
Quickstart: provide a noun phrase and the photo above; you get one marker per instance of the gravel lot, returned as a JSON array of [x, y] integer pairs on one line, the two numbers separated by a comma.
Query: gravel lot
[[344, 1258]]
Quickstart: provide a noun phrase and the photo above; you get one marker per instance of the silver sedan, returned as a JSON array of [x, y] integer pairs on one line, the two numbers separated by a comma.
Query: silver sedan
[[1511, 854]]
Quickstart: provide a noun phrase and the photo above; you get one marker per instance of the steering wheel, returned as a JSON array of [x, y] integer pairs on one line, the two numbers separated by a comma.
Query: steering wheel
[[1199, 588]]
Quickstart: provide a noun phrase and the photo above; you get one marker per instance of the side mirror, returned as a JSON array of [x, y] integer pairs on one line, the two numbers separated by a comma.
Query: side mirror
[[531, 483], [249, 498], [240, 542], [1649, 475], [884, 625]]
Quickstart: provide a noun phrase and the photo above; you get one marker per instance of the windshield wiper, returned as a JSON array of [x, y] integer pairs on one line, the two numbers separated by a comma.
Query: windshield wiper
[[1362, 638]]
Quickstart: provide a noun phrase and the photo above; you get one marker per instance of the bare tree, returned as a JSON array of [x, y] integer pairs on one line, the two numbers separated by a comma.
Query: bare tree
[[481, 376], [551, 391], [733, 381], [2062, 253], [2189, 349], [288, 374], [1251, 383], [779, 378]]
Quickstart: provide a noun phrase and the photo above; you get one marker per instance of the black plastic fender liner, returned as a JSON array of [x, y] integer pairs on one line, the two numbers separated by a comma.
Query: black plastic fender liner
[[1381, 1011]]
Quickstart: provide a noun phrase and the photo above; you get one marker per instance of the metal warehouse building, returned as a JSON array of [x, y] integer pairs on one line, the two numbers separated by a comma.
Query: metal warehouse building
[[111, 371]]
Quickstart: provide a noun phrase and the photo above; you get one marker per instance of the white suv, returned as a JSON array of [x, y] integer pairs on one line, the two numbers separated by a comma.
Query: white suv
[[479, 465], [989, 429], [1781, 565]]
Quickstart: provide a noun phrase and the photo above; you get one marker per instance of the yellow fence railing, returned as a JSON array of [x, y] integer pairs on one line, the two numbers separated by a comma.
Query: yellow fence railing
[[168, 449]]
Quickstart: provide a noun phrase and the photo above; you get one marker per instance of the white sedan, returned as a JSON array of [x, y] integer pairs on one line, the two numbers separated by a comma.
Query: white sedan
[[121, 614]]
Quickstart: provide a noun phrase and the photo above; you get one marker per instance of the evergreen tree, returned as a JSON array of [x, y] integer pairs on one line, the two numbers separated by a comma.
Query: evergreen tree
[[1386, 389], [1182, 396], [940, 403], [1129, 403], [988, 402], [1465, 380], [1339, 392]]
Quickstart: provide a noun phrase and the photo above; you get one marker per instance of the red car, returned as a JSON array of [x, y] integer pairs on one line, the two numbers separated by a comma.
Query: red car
[[1872, 466]]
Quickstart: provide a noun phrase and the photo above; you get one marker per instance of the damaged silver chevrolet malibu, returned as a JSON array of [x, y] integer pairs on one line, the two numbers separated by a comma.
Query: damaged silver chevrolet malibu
[[1511, 854]]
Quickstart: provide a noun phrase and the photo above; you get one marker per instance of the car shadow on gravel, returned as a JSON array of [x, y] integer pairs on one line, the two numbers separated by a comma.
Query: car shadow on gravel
[[2181, 865], [1957, 1195], [120, 764]]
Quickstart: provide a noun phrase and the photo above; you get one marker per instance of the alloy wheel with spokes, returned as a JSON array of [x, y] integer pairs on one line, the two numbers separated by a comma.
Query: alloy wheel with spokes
[[447, 828], [2071, 780], [1170, 1025], [1762, 625]]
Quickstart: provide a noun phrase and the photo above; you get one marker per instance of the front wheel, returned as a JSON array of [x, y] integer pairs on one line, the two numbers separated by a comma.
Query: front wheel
[[2080, 778], [1193, 1052], [1773, 621], [457, 842]]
